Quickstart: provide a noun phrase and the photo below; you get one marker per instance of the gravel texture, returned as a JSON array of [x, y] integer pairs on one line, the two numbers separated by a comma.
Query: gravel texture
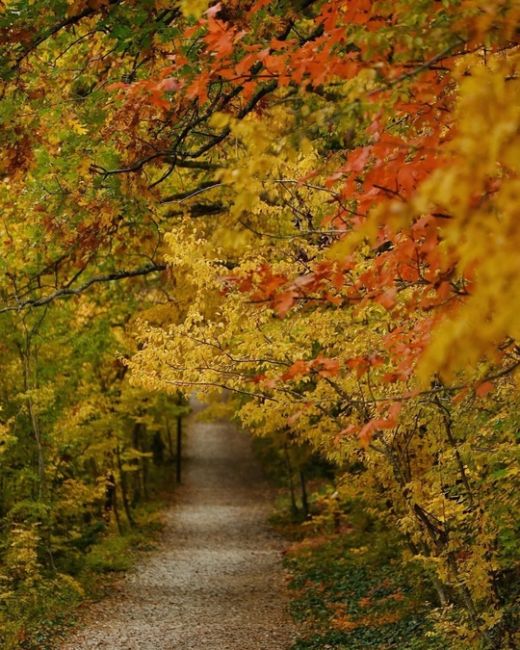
[[215, 582]]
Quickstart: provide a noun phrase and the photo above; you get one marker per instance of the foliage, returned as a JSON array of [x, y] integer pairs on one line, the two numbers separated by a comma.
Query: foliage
[[41, 605], [311, 204]]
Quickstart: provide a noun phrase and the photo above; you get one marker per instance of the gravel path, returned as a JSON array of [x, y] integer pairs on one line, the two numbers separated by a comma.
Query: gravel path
[[215, 583]]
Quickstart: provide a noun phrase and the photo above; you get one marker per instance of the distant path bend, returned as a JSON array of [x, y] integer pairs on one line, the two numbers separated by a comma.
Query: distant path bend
[[216, 582]]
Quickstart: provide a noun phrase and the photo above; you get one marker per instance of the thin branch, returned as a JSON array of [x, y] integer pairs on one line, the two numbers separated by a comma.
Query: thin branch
[[447, 389], [198, 210], [210, 384], [67, 291], [444, 54], [182, 196], [51, 31]]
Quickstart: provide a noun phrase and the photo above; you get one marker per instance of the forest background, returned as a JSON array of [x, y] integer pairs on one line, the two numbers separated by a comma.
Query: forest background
[[310, 203]]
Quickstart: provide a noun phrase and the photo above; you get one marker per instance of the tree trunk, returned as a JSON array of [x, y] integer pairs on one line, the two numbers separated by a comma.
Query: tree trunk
[[169, 439], [178, 457], [305, 500], [124, 489], [294, 507]]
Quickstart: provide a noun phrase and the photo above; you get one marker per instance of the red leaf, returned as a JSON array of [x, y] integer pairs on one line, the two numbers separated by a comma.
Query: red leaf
[[388, 298], [367, 431], [458, 397], [484, 389], [359, 364], [213, 11], [326, 367], [297, 369], [349, 430], [168, 84], [283, 302], [393, 411]]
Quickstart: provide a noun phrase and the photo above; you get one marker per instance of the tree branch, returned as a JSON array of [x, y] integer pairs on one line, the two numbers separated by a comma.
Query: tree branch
[[198, 210], [62, 24], [67, 291]]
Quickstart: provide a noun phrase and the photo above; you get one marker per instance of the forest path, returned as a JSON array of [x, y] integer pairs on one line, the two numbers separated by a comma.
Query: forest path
[[215, 582]]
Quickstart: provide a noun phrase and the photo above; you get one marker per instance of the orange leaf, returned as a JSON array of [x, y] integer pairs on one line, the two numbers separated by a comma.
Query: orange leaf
[[484, 388], [283, 302], [326, 367], [297, 369], [458, 397], [387, 299]]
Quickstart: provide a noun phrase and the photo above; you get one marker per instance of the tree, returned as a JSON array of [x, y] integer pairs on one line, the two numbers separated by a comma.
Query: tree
[[311, 204]]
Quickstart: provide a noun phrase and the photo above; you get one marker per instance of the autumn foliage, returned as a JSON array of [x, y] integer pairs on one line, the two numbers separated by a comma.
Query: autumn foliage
[[311, 204]]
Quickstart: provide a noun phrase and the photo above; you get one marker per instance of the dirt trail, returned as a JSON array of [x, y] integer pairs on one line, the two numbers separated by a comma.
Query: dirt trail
[[215, 582]]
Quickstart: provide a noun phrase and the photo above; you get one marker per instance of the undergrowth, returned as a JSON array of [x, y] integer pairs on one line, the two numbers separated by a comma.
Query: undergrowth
[[39, 612], [351, 590]]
